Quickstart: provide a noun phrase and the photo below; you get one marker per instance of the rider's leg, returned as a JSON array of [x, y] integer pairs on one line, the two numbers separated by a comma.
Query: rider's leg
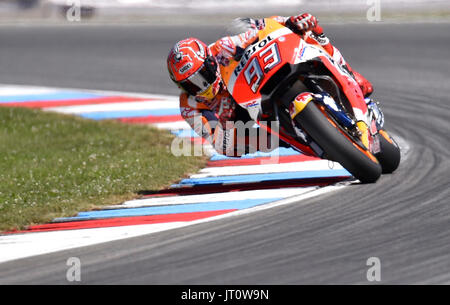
[[319, 37], [366, 88], [364, 84]]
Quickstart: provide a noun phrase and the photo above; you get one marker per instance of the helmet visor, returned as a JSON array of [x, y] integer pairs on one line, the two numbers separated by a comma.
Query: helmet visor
[[201, 80]]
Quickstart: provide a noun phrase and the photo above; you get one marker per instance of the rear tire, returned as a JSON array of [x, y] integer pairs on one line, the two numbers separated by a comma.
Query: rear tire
[[389, 155], [338, 147]]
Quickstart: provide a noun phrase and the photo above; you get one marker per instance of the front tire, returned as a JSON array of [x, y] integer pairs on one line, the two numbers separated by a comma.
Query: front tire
[[389, 155], [337, 145]]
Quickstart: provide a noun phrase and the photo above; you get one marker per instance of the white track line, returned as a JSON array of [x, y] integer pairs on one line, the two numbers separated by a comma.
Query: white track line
[[138, 105], [178, 125], [214, 197], [19, 246], [9, 90], [19, 89], [13, 247], [267, 168]]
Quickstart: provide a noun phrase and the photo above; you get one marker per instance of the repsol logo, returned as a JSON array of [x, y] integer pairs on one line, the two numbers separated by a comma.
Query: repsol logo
[[249, 52]]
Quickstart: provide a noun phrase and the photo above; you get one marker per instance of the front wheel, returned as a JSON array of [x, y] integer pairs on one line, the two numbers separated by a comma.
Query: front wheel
[[389, 155], [337, 144]]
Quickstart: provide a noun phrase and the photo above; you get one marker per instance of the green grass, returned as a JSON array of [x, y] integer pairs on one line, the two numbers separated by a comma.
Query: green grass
[[54, 165]]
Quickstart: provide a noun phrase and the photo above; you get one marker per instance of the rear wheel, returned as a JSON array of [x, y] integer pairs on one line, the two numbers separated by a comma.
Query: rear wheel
[[389, 155], [338, 145]]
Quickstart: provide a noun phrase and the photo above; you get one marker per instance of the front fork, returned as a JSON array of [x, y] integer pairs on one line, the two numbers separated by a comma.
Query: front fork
[[324, 99], [375, 112], [376, 120], [362, 131]]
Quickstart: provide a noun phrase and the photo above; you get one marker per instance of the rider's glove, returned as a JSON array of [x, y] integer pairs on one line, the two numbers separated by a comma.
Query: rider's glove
[[303, 23], [320, 36]]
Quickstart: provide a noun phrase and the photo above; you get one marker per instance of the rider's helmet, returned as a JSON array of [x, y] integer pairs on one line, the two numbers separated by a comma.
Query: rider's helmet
[[194, 69]]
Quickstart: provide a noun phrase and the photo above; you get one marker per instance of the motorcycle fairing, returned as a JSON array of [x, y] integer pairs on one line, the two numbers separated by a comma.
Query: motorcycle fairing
[[277, 46]]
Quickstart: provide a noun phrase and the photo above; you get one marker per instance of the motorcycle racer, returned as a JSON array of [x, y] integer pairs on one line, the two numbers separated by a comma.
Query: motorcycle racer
[[205, 102]]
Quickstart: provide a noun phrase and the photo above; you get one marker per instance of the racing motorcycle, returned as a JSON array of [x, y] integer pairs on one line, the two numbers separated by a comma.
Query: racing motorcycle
[[283, 78]]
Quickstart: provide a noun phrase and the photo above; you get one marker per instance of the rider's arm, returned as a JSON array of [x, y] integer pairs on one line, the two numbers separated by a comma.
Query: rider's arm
[[201, 119], [307, 22], [229, 46], [205, 123]]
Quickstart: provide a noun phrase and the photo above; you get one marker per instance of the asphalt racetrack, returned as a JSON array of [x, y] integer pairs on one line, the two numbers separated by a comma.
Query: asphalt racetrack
[[403, 219]]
